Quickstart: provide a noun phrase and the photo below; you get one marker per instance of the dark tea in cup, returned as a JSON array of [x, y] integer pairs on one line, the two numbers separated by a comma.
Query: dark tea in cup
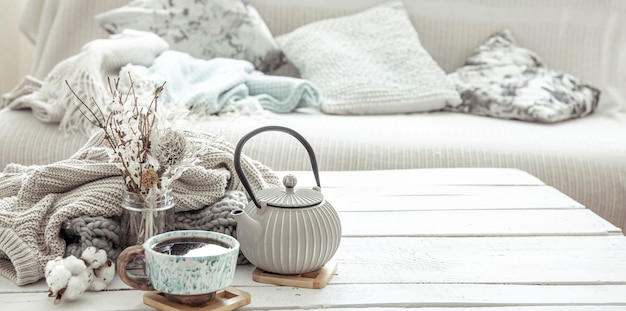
[[191, 247]]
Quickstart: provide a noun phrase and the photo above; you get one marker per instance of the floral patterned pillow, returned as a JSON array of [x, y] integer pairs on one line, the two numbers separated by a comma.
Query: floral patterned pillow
[[202, 28], [506, 81]]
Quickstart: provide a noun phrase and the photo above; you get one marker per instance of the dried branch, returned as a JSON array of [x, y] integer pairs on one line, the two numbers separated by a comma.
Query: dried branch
[[127, 129], [95, 122]]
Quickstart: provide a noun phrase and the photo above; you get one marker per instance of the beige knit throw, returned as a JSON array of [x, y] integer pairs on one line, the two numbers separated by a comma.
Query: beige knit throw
[[35, 201]]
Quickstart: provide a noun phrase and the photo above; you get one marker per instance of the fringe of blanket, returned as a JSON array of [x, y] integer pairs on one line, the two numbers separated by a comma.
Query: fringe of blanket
[[51, 101], [88, 87], [86, 73], [104, 233]]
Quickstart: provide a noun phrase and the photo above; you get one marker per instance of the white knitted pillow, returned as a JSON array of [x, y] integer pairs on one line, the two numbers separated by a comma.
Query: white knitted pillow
[[371, 62]]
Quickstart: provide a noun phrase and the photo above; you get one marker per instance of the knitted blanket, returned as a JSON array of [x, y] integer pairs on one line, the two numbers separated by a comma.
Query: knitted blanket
[[220, 85], [36, 202], [205, 87], [104, 232]]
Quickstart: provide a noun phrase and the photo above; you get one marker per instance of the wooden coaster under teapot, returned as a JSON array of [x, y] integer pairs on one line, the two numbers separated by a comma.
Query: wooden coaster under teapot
[[316, 279]]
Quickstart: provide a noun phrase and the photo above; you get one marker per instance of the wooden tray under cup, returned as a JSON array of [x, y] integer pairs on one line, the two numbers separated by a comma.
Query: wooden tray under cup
[[227, 299]]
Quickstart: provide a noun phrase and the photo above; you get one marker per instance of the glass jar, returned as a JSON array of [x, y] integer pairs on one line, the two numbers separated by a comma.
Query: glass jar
[[143, 218]]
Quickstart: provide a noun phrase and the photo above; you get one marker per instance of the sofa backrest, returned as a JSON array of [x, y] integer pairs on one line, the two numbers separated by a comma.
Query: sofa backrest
[[586, 38]]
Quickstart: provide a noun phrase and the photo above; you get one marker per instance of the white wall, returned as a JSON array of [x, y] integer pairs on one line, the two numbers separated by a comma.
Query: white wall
[[16, 50]]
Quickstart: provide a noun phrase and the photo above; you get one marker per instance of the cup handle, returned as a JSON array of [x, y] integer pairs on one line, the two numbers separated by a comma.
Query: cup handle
[[134, 281]]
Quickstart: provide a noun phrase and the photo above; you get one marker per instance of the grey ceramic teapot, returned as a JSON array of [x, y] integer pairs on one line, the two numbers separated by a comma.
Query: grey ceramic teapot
[[286, 230]]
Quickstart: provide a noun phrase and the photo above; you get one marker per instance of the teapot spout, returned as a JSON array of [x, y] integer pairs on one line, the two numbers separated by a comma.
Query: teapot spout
[[251, 228]]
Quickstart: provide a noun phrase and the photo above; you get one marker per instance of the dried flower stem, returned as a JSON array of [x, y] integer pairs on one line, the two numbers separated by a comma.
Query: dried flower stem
[[126, 131]]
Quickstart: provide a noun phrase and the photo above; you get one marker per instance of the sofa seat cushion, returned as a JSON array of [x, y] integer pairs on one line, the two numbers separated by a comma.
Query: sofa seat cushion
[[584, 158]]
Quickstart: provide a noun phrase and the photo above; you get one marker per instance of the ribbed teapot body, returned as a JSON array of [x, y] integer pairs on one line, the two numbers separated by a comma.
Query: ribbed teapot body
[[286, 230], [294, 240]]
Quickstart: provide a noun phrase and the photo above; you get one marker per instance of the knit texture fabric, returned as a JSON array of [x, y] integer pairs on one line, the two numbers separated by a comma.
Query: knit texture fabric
[[104, 233], [371, 62], [36, 201]]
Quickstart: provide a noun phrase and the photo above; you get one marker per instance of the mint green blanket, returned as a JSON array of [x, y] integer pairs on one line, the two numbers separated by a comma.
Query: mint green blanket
[[222, 85]]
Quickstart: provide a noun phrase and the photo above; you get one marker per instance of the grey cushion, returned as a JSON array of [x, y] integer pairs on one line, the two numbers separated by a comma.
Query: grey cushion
[[204, 29], [504, 80]]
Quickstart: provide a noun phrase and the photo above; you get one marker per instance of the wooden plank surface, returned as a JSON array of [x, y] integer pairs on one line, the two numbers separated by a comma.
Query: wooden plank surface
[[437, 239], [448, 198], [433, 189], [421, 177], [570, 222], [448, 296], [497, 260]]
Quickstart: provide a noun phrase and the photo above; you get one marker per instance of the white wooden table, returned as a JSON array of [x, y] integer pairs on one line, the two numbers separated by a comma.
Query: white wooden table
[[436, 239]]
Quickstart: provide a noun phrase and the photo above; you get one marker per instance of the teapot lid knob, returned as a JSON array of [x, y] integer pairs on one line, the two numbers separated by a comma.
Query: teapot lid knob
[[290, 197], [290, 181]]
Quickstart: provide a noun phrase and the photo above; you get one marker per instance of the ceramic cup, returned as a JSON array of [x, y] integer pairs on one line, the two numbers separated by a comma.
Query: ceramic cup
[[187, 266]]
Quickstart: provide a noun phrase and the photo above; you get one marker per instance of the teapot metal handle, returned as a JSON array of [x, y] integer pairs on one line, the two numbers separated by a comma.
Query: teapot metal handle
[[283, 129]]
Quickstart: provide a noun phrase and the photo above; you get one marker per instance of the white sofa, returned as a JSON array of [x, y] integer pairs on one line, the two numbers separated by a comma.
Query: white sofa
[[585, 158]]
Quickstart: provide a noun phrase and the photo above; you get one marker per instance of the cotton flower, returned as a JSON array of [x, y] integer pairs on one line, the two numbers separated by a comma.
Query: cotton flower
[[51, 264], [103, 269], [70, 277], [76, 286], [102, 276], [74, 265], [57, 279], [94, 257]]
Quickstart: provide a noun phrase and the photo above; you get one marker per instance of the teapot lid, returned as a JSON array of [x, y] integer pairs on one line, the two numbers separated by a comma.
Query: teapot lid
[[289, 196]]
